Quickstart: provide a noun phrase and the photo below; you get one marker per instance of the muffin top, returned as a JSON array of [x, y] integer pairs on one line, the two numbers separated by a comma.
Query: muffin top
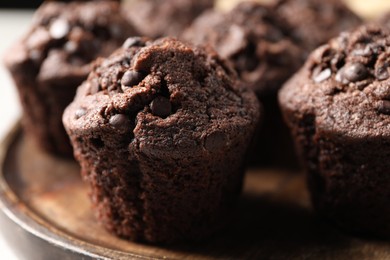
[[314, 22], [345, 84], [166, 96], [65, 37], [254, 40], [156, 18]]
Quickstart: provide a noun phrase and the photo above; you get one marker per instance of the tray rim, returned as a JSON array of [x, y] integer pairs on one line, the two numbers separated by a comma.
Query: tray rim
[[24, 217]]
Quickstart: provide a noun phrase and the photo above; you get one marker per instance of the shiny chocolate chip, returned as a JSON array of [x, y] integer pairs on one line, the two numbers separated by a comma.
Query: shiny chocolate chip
[[59, 29], [382, 73], [120, 122], [352, 72], [161, 106], [80, 112], [71, 47], [116, 31], [133, 41], [383, 107], [323, 75], [131, 78]]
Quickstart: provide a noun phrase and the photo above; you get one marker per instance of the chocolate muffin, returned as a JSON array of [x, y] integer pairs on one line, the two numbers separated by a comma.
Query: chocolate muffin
[[155, 18], [53, 59], [314, 22], [161, 130], [258, 44], [338, 109]]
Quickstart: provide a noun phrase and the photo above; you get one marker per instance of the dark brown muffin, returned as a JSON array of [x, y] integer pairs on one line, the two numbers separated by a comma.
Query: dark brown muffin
[[161, 130], [314, 22], [338, 110], [53, 59], [155, 18], [258, 44]]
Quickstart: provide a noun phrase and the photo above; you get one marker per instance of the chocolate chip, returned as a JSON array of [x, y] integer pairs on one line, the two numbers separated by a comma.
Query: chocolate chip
[[71, 47], [133, 41], [359, 52], [116, 31], [215, 141], [59, 29], [161, 107], [131, 78], [383, 107], [337, 61], [36, 56], [80, 112], [352, 72], [376, 48], [323, 75], [120, 122], [382, 72]]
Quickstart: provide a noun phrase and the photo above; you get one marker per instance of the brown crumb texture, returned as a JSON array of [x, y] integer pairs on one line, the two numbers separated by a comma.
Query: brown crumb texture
[[338, 110], [53, 59], [161, 130]]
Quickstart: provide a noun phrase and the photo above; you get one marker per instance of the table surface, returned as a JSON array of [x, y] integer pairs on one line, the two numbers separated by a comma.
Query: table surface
[[12, 26]]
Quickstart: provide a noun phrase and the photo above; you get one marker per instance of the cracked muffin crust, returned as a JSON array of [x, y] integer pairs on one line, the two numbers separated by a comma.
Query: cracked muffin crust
[[53, 59], [161, 130], [338, 110]]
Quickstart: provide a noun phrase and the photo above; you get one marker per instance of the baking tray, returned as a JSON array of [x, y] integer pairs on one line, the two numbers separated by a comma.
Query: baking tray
[[46, 214]]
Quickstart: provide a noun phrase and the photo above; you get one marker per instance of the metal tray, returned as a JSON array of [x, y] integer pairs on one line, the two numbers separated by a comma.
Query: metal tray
[[46, 214]]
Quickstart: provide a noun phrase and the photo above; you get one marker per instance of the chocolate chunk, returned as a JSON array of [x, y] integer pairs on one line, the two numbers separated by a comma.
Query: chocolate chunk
[[115, 30], [383, 107], [323, 75], [131, 78], [80, 112], [59, 29], [133, 41], [376, 48], [382, 73], [215, 141], [36, 55], [71, 47], [161, 107], [120, 122], [352, 72]]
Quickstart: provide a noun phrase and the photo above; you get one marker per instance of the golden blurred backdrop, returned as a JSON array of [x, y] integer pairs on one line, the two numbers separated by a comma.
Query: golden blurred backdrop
[[365, 8]]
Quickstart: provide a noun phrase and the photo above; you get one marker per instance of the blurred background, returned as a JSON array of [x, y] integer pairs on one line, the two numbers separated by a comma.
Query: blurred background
[[366, 8]]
